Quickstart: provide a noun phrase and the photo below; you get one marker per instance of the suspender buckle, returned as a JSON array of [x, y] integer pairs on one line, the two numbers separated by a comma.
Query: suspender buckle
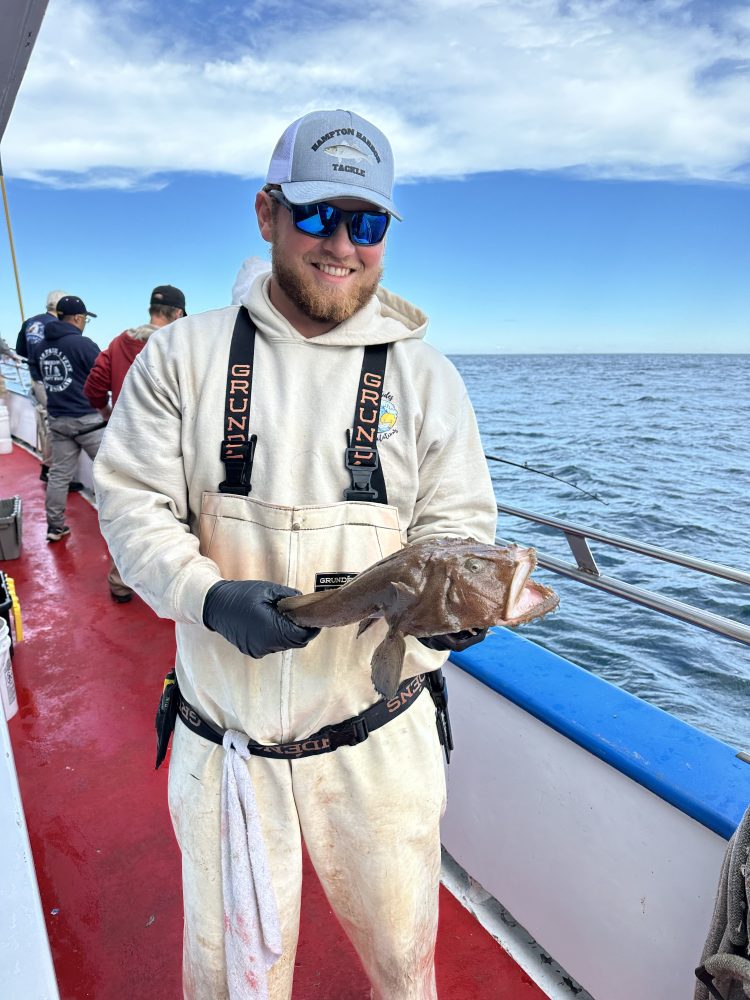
[[361, 488], [238, 463]]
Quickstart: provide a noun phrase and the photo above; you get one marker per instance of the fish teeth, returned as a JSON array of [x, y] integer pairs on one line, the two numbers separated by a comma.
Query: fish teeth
[[520, 576]]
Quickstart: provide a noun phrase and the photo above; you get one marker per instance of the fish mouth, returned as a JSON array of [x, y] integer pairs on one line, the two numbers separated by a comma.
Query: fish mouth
[[527, 599], [525, 566]]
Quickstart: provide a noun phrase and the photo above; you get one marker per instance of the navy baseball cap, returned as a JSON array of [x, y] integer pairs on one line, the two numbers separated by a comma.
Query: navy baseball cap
[[334, 154], [71, 305]]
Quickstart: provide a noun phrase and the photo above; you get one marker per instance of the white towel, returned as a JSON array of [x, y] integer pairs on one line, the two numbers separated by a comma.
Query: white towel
[[252, 938]]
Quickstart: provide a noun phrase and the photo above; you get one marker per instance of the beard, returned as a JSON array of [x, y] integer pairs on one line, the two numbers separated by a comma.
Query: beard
[[323, 305]]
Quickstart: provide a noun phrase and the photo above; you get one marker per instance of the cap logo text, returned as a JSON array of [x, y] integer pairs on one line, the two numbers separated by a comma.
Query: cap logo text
[[346, 131]]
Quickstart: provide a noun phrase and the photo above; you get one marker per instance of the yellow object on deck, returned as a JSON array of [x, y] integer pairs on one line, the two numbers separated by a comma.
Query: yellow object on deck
[[10, 583]]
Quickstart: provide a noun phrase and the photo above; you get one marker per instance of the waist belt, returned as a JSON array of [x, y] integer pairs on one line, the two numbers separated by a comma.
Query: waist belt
[[90, 430], [343, 734]]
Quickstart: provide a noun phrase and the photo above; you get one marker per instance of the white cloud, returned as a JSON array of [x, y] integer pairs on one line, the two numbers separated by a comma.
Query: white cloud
[[606, 87]]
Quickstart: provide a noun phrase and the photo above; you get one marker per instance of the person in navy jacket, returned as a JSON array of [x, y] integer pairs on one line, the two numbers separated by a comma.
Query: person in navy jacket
[[33, 328], [32, 331], [62, 360]]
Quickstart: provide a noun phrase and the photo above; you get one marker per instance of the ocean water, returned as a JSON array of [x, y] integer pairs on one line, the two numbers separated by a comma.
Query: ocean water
[[664, 440]]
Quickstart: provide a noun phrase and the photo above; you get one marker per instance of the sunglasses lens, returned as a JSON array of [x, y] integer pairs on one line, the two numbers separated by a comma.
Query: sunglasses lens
[[322, 220], [319, 219], [368, 228]]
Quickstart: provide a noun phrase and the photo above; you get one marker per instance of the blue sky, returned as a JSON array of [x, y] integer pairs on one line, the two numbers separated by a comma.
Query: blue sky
[[574, 176]]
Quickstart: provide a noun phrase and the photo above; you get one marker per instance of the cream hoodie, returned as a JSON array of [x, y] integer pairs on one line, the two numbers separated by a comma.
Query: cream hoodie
[[161, 449]]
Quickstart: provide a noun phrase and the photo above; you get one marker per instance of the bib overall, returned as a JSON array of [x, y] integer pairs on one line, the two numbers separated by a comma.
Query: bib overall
[[368, 814]]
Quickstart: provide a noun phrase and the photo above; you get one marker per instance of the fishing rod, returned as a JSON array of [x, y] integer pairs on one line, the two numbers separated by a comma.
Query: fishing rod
[[10, 239], [549, 475]]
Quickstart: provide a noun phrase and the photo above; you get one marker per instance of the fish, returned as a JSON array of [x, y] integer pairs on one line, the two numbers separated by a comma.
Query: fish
[[347, 153], [432, 587]]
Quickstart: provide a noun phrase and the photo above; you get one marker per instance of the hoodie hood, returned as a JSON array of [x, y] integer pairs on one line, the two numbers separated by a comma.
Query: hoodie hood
[[248, 272], [56, 330], [386, 318], [125, 348], [141, 332]]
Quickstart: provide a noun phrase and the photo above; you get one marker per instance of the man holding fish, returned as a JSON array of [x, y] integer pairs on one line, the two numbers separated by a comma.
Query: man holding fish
[[246, 463]]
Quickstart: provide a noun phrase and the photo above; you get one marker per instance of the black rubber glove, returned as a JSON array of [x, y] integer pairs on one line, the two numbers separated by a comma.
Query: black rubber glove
[[455, 641], [244, 612]]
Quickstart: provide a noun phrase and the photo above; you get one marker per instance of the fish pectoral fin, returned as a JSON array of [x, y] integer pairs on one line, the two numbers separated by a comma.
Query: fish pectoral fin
[[365, 624], [386, 663], [403, 597]]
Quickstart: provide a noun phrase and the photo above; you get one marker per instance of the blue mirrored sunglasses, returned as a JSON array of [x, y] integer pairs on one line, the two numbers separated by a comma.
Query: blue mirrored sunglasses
[[319, 219]]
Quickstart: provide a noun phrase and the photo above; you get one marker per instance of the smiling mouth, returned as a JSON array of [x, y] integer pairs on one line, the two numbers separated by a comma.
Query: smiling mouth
[[335, 272]]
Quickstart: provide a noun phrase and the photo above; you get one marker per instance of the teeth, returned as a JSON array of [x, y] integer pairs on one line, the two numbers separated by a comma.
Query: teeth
[[337, 272], [524, 569]]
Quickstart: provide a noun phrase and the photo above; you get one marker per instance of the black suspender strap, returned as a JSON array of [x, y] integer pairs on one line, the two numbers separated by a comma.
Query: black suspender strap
[[238, 446], [361, 457]]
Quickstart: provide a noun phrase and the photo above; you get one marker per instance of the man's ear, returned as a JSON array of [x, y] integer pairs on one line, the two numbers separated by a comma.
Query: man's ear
[[263, 211]]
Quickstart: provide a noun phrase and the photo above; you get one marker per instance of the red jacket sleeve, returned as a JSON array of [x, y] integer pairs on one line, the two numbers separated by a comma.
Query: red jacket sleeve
[[99, 382]]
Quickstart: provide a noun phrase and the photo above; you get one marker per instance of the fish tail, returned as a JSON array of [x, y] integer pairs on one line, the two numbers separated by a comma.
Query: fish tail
[[386, 664]]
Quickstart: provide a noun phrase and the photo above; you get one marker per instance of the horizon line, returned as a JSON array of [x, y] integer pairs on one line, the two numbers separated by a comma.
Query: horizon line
[[527, 354]]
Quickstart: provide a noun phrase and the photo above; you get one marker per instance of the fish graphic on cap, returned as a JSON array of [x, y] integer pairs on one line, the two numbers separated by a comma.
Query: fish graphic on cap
[[347, 153]]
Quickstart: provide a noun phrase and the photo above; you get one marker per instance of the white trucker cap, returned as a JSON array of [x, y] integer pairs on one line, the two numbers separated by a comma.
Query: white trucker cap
[[334, 154]]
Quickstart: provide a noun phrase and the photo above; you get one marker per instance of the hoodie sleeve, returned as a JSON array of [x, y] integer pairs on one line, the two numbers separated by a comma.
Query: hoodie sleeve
[[90, 351], [455, 494], [98, 384], [33, 362], [142, 493], [21, 345]]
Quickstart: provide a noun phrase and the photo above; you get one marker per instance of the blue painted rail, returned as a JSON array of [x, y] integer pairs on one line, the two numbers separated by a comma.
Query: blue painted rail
[[693, 771]]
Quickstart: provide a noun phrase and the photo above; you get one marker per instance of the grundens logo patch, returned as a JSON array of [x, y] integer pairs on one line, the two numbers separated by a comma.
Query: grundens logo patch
[[331, 581]]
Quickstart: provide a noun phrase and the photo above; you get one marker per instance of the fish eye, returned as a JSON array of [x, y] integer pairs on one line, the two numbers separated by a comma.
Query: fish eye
[[473, 565]]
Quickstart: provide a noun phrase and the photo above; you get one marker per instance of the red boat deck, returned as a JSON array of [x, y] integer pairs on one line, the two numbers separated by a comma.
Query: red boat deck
[[88, 675]]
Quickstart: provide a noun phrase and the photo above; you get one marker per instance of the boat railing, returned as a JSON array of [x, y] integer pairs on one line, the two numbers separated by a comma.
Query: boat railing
[[586, 571], [16, 374]]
